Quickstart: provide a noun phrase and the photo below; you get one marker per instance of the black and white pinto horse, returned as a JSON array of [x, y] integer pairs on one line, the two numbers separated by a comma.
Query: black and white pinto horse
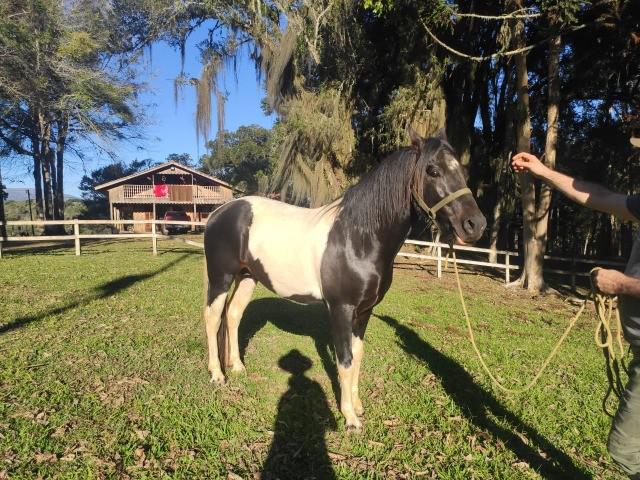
[[341, 254]]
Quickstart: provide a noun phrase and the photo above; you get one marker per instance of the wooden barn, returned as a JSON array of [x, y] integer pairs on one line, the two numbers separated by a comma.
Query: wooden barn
[[170, 186]]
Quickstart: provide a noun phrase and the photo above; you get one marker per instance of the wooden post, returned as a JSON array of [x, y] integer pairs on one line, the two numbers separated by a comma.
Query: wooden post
[[439, 261], [154, 238], [76, 235], [194, 196], [507, 270]]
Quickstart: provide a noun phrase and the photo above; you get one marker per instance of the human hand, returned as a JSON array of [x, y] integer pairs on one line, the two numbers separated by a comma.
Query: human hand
[[525, 162], [609, 282]]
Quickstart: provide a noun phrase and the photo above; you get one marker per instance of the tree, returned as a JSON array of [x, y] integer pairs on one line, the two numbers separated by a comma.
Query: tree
[[242, 158], [97, 202], [59, 85], [346, 79], [182, 158]]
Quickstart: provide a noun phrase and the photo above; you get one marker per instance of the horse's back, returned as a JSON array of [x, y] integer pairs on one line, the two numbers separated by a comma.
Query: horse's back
[[281, 245]]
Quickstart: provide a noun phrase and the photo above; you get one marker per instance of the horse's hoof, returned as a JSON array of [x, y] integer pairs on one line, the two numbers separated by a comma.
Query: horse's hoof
[[217, 379], [354, 426], [238, 368]]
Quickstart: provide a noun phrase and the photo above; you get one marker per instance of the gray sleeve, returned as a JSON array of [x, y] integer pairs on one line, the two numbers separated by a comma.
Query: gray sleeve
[[633, 205]]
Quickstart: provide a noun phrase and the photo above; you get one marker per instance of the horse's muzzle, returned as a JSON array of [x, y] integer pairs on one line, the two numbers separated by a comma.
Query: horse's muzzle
[[473, 227]]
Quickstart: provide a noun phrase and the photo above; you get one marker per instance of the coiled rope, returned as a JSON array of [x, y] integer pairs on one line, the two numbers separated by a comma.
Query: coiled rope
[[605, 337], [610, 340]]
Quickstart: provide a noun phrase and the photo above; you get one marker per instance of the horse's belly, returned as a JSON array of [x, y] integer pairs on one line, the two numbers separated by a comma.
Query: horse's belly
[[287, 274], [286, 245]]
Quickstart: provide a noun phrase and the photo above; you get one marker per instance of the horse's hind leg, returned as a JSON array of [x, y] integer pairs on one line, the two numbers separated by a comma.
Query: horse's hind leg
[[237, 304], [214, 309]]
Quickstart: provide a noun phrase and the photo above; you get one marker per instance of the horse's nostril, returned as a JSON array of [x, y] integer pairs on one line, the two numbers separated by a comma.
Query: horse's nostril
[[469, 226]]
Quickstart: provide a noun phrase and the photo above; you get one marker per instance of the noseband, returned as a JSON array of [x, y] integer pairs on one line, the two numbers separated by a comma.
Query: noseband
[[431, 211]]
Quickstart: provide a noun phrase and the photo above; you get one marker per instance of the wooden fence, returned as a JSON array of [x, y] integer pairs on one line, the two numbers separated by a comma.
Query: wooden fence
[[437, 251]]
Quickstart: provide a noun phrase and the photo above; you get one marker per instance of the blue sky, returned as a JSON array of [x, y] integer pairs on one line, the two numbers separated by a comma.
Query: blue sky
[[169, 128]]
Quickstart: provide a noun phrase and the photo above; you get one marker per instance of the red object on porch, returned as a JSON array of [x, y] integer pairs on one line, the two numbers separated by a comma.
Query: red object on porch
[[160, 191]]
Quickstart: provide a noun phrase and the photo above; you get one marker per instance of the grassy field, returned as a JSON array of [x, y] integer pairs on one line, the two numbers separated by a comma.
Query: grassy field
[[103, 375]]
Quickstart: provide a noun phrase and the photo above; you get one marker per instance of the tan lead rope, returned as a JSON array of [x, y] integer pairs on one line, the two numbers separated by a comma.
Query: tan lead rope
[[609, 340], [482, 362]]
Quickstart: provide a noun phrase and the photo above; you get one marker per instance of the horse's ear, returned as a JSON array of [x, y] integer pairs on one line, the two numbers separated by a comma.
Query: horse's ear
[[442, 135], [416, 140]]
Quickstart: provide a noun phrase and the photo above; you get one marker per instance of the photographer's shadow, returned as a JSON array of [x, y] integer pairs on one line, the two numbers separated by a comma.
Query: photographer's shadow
[[299, 449], [305, 320]]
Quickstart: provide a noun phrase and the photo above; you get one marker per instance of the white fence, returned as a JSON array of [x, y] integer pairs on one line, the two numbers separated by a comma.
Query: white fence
[[441, 251], [437, 251], [77, 236]]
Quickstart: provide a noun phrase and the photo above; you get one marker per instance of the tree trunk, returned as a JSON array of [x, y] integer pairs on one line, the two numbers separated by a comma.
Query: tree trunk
[[461, 108], [504, 123], [551, 143], [3, 218], [531, 277], [54, 185], [45, 162], [37, 178], [61, 141]]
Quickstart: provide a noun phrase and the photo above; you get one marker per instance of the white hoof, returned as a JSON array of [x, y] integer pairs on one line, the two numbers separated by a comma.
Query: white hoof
[[238, 367], [353, 425], [217, 379]]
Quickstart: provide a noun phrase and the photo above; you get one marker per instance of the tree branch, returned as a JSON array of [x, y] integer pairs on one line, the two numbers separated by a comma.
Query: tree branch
[[508, 16], [14, 145], [493, 55]]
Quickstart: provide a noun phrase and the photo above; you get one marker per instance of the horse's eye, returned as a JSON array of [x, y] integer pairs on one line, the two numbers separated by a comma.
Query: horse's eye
[[433, 171]]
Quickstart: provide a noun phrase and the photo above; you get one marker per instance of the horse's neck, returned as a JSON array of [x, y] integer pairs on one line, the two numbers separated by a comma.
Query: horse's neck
[[392, 237]]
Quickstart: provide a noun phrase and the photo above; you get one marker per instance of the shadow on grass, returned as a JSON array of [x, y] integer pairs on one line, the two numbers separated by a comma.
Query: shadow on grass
[[299, 448], [479, 405], [304, 320], [101, 291], [431, 269]]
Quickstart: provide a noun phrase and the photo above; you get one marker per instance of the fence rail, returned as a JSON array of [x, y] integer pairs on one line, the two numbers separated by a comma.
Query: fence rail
[[437, 251]]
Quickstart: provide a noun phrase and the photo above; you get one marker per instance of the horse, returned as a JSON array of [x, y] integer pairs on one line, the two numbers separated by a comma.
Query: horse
[[341, 254]]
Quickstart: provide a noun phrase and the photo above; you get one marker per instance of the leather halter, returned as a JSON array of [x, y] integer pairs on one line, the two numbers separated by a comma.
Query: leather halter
[[431, 211]]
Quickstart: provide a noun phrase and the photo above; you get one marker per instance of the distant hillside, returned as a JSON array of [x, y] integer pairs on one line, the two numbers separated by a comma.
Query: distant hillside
[[19, 209], [20, 194]]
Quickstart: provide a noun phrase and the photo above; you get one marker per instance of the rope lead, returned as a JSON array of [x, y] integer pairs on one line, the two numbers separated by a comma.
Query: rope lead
[[610, 340], [604, 337]]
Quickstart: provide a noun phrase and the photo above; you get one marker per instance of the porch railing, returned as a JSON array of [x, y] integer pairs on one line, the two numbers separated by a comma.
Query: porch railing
[[174, 193]]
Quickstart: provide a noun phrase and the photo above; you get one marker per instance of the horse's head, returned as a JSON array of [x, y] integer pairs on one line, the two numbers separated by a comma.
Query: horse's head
[[439, 188]]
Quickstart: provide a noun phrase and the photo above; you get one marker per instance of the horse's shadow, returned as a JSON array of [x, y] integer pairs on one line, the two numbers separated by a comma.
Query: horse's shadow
[[477, 404], [304, 320]]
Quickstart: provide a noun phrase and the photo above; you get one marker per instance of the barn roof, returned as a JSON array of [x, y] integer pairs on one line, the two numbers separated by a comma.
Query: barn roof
[[157, 168]]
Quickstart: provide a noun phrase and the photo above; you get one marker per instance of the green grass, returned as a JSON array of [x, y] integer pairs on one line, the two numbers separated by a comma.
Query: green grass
[[103, 375]]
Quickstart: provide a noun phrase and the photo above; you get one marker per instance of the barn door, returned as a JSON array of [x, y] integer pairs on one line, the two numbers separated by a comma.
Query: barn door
[[142, 216]]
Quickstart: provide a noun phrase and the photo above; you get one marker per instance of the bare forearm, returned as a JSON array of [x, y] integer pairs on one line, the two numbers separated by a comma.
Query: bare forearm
[[590, 194], [613, 282], [630, 286]]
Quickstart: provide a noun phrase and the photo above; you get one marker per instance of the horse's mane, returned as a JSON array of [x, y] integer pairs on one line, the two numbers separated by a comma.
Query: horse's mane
[[382, 196]]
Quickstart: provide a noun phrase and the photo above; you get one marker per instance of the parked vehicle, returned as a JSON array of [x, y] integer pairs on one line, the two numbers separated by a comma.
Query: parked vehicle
[[170, 229]]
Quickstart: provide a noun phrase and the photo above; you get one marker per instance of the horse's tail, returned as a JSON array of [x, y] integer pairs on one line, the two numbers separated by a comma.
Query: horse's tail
[[222, 330]]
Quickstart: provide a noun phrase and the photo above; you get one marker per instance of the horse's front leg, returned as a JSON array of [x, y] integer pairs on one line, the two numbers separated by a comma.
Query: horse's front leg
[[341, 319], [357, 348]]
